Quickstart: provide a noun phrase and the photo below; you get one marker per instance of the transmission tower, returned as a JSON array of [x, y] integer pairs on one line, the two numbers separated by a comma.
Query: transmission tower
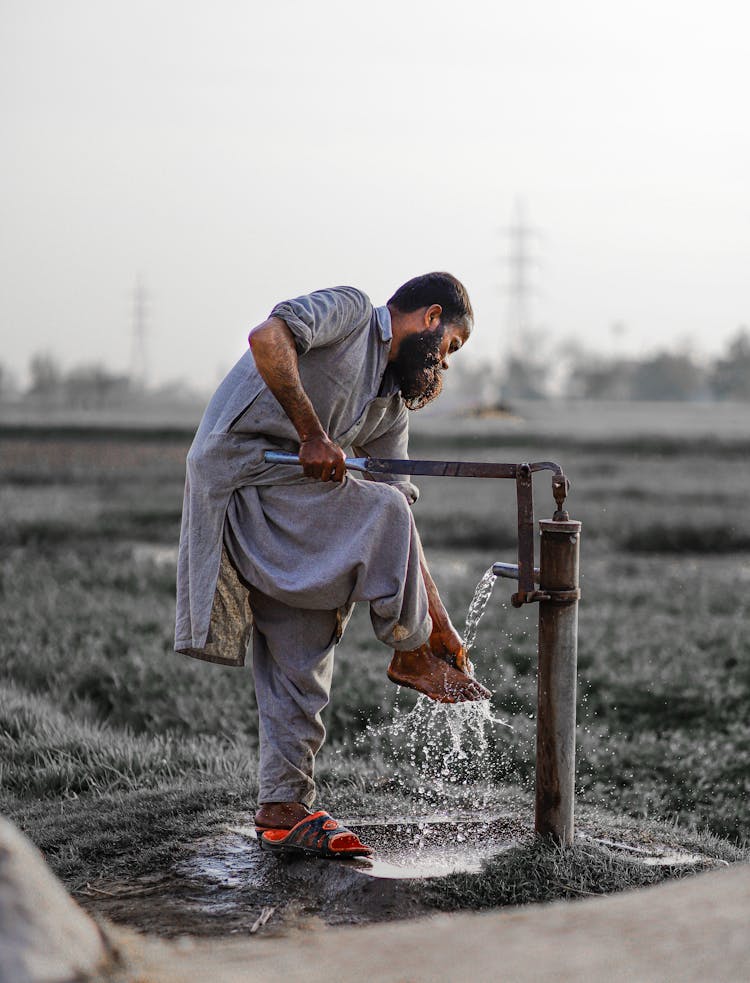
[[519, 289], [138, 357]]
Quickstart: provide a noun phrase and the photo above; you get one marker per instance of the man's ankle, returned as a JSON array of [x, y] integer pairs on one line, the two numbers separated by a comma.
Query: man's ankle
[[280, 815]]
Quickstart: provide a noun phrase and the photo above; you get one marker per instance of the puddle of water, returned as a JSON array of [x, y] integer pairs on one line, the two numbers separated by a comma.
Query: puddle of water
[[433, 864], [656, 856], [404, 849], [433, 849], [229, 884], [672, 859]]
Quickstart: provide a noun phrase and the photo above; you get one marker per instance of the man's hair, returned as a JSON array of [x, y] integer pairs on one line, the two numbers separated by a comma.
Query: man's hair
[[435, 288]]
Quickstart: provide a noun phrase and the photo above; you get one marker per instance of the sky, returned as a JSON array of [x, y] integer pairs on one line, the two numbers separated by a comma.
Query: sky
[[233, 154]]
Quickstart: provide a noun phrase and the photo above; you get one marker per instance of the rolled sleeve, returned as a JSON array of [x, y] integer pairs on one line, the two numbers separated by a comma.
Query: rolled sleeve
[[324, 317]]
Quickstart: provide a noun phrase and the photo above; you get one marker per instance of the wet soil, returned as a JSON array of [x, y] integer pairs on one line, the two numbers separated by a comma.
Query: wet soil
[[227, 886]]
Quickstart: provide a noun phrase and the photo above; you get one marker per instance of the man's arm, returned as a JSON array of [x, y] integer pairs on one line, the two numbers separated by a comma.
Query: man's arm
[[275, 357]]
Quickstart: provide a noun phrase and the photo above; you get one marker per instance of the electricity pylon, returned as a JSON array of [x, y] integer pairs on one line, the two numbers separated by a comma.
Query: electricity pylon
[[519, 288]]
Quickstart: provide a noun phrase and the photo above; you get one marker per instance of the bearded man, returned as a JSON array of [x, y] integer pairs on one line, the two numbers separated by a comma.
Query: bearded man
[[284, 553]]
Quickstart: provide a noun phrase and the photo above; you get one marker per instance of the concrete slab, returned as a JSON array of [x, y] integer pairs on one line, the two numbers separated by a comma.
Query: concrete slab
[[692, 930]]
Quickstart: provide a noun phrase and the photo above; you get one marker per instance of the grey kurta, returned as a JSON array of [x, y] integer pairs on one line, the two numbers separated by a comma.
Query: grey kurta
[[307, 543]]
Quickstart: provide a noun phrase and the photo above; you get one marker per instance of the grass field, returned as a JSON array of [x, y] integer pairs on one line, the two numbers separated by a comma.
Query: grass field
[[115, 751]]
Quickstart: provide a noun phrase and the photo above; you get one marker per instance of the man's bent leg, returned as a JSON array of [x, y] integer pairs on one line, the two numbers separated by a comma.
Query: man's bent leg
[[389, 575], [400, 617], [293, 664]]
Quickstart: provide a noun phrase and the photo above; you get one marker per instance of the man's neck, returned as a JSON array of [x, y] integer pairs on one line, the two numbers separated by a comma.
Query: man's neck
[[402, 325]]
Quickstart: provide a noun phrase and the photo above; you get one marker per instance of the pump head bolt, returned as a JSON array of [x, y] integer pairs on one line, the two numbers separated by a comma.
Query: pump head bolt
[[560, 489]]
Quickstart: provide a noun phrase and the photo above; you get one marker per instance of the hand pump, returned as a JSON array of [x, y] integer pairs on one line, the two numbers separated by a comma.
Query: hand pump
[[558, 594]]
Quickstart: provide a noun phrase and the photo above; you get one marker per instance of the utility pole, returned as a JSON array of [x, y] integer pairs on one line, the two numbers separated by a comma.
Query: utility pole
[[522, 372], [519, 289], [138, 357]]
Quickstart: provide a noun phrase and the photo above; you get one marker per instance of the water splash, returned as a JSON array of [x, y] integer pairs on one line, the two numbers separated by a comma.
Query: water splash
[[446, 753], [443, 739], [482, 593]]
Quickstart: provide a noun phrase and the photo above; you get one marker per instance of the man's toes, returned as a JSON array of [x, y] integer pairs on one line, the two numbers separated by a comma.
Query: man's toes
[[475, 692]]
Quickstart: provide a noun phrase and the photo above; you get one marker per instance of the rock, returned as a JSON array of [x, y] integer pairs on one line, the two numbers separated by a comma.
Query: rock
[[44, 936]]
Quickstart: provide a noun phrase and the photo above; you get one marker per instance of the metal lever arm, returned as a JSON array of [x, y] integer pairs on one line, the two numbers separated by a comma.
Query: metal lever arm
[[437, 469], [281, 457], [522, 473]]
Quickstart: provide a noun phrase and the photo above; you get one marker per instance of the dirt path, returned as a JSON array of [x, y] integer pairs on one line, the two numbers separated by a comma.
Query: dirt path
[[695, 929]]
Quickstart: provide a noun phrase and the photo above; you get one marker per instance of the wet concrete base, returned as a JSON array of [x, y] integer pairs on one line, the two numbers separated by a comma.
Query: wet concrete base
[[227, 885], [691, 930]]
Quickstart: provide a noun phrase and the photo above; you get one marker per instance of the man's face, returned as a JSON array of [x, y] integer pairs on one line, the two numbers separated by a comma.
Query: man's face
[[421, 360]]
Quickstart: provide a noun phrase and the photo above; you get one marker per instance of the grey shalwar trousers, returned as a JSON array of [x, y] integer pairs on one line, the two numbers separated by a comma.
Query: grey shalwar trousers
[[308, 553], [293, 666]]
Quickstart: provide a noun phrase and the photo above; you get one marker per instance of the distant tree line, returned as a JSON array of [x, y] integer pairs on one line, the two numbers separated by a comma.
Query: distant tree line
[[84, 387], [666, 375], [536, 374]]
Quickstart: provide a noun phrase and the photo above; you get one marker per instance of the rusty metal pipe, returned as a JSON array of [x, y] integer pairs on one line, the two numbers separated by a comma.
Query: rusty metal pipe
[[510, 571], [556, 698]]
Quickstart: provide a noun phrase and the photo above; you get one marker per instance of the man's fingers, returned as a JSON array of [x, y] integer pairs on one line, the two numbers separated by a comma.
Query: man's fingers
[[334, 472], [321, 458], [316, 470]]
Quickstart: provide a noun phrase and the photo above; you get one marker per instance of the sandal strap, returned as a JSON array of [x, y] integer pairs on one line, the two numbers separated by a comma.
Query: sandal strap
[[315, 833]]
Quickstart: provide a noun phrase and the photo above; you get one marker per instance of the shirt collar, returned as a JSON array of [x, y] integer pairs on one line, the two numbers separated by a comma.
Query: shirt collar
[[384, 323]]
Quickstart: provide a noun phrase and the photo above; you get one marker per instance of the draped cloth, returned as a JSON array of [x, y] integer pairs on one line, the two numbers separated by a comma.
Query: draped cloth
[[311, 544]]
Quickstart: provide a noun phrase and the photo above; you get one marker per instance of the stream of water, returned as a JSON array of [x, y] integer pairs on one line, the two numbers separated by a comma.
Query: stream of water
[[482, 593], [444, 747]]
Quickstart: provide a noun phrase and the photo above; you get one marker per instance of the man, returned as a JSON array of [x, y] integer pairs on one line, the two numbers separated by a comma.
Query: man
[[288, 551]]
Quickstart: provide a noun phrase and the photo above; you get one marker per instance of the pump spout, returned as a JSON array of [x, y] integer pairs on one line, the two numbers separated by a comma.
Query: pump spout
[[510, 571]]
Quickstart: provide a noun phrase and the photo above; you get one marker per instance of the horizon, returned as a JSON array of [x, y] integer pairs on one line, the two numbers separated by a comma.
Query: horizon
[[236, 157]]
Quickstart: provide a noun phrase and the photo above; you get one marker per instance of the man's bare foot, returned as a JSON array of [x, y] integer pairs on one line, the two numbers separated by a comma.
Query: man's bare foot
[[428, 674], [280, 815]]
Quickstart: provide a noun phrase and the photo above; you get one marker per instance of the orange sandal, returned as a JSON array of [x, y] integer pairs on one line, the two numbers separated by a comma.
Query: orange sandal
[[318, 835]]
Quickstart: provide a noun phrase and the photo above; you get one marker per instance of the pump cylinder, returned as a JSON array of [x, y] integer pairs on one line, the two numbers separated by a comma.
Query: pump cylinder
[[556, 696]]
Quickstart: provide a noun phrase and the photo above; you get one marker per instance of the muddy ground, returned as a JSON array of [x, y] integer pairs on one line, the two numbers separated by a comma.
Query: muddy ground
[[693, 931], [227, 886]]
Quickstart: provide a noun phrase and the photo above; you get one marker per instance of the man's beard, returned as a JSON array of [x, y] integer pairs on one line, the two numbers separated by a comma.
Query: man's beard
[[418, 368]]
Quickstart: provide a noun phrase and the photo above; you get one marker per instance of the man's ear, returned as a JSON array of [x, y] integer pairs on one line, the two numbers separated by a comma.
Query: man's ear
[[432, 316]]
